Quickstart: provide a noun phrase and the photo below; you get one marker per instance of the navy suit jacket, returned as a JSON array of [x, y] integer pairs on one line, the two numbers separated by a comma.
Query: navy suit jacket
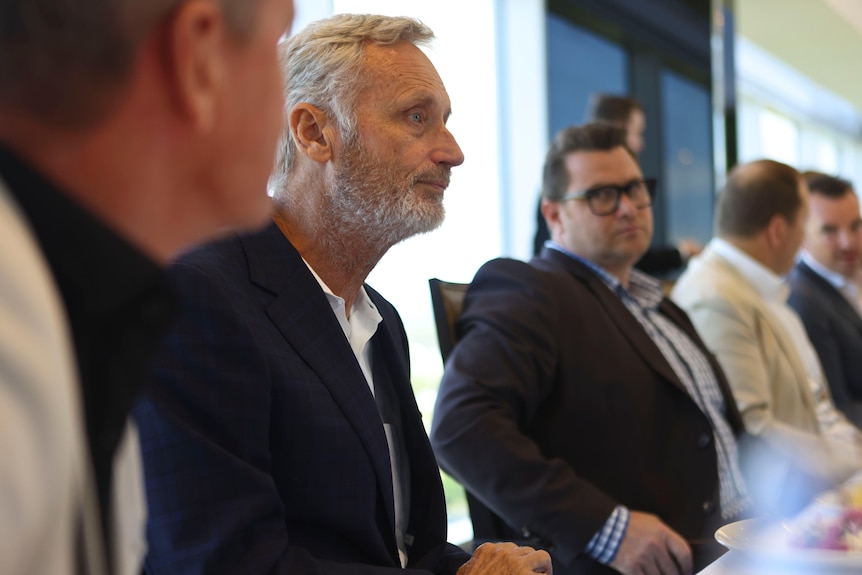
[[263, 447], [835, 329], [556, 405]]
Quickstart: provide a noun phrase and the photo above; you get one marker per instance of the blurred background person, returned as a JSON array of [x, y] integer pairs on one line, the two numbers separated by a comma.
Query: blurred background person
[[629, 114], [621, 111], [825, 287]]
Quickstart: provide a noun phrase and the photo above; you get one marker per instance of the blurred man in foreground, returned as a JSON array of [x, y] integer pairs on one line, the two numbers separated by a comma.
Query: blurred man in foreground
[[124, 137]]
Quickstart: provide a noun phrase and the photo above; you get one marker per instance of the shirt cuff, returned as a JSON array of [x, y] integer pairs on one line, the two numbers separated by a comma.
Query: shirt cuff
[[606, 542]]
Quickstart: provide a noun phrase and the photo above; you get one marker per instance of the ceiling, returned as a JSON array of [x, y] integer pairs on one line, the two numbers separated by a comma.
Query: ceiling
[[822, 39]]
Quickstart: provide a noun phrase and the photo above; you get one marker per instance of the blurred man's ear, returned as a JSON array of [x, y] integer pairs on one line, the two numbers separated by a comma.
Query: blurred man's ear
[[195, 37], [776, 231]]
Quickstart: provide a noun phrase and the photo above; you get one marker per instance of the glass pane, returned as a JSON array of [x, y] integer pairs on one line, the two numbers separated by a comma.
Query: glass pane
[[819, 151], [579, 64], [685, 194], [779, 138]]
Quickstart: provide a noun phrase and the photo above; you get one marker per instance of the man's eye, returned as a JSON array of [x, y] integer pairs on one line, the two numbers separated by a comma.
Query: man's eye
[[605, 193], [416, 117]]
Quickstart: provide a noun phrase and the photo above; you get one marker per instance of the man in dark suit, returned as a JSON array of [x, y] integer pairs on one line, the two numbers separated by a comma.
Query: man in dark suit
[[825, 287], [281, 434], [579, 404]]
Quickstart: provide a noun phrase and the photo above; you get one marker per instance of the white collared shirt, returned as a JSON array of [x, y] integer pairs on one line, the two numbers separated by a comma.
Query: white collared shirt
[[774, 290], [359, 328]]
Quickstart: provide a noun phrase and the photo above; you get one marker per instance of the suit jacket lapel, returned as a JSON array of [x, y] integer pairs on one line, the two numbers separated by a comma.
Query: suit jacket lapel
[[620, 315], [304, 317], [836, 299], [390, 372], [392, 367], [731, 410]]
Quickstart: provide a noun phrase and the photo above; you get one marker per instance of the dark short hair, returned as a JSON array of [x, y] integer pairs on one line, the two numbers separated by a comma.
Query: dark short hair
[[595, 137], [60, 60], [754, 194], [827, 186], [611, 109]]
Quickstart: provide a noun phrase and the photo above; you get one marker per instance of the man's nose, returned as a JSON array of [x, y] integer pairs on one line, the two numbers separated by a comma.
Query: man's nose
[[448, 152], [626, 205]]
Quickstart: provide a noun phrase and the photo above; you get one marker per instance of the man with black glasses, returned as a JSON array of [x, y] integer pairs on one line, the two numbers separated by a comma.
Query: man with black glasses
[[580, 404]]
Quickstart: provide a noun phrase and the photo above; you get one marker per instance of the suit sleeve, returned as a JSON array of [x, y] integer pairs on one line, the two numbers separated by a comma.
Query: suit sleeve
[[498, 375], [204, 425]]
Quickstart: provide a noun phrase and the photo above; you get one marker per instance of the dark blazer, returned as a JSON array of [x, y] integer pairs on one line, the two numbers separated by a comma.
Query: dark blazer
[[263, 447], [556, 405], [835, 329]]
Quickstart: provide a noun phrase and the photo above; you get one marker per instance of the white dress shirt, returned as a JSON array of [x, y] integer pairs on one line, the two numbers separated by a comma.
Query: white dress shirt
[[359, 328]]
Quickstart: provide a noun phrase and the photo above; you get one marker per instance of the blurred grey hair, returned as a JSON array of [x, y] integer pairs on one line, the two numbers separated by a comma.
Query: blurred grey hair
[[323, 66], [61, 59]]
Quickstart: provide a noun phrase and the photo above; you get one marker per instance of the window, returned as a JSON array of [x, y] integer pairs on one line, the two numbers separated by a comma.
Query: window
[[785, 116], [779, 137], [686, 189], [580, 63]]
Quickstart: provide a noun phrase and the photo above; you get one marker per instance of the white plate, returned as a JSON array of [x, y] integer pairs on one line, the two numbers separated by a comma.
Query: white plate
[[768, 542]]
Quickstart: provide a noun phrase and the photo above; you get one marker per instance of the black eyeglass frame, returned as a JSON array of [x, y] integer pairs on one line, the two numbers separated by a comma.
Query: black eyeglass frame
[[588, 195]]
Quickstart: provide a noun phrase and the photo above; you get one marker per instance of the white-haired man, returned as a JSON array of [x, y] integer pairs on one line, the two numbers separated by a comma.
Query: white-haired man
[[282, 435]]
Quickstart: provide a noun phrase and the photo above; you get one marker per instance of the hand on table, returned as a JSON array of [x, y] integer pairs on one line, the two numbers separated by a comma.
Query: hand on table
[[652, 548], [506, 559]]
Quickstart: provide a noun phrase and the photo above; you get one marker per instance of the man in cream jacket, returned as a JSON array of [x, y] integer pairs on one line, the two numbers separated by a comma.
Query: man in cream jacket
[[736, 296]]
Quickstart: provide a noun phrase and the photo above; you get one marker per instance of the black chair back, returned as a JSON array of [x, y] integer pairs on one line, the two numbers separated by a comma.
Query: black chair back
[[447, 299]]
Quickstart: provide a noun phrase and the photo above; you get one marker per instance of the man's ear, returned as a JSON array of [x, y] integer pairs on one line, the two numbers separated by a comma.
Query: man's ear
[[311, 132], [776, 230], [196, 38], [551, 212]]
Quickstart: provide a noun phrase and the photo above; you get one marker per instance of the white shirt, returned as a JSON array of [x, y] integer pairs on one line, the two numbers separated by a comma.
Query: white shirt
[[129, 504], [359, 328], [772, 288]]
